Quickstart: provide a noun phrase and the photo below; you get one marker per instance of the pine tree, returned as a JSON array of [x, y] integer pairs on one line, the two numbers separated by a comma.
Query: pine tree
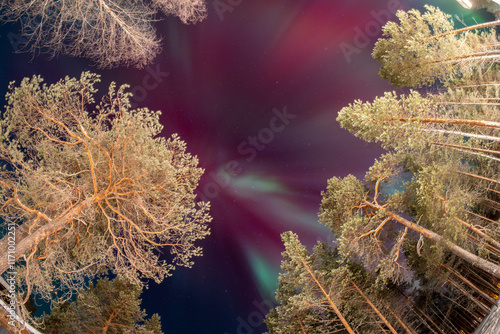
[[92, 188], [106, 307], [307, 298], [413, 123], [460, 146], [366, 219], [431, 205], [423, 132], [309, 287], [425, 48]]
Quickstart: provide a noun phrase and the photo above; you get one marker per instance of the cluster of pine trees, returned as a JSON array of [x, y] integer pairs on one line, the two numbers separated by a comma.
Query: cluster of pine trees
[[418, 239]]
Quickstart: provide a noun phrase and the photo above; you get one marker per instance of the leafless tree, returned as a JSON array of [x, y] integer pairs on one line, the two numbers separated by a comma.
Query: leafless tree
[[109, 32], [189, 11]]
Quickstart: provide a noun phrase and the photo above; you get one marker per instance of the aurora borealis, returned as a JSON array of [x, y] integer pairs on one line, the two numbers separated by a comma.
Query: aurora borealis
[[253, 90]]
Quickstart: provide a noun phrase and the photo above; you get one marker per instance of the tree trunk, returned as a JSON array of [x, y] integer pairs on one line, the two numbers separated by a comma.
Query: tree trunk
[[471, 297], [491, 204], [415, 307], [301, 325], [478, 177], [470, 122], [474, 27], [477, 84], [480, 233], [483, 217], [108, 322], [465, 255], [471, 285], [26, 242], [380, 315], [486, 284], [327, 296], [464, 134], [493, 251], [486, 55], [493, 191], [468, 103], [467, 148], [401, 322]]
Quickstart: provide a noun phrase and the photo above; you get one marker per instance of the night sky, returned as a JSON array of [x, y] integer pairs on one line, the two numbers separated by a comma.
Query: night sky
[[254, 91]]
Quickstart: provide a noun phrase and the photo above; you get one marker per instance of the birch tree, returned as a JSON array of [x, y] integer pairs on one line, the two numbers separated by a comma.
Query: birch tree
[[91, 187]]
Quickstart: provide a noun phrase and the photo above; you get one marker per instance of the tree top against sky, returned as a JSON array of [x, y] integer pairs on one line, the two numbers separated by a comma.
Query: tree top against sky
[[110, 33], [92, 187], [423, 48]]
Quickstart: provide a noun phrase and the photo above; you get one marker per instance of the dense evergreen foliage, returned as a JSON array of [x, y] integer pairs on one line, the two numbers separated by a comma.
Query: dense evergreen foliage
[[106, 307], [419, 236]]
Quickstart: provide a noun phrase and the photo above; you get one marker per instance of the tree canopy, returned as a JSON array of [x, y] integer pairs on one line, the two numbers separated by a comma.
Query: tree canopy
[[417, 239], [110, 33], [424, 48], [306, 294], [93, 187], [106, 307], [320, 292]]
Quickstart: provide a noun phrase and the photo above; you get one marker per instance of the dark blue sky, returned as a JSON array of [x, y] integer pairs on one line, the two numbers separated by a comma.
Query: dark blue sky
[[254, 91]]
